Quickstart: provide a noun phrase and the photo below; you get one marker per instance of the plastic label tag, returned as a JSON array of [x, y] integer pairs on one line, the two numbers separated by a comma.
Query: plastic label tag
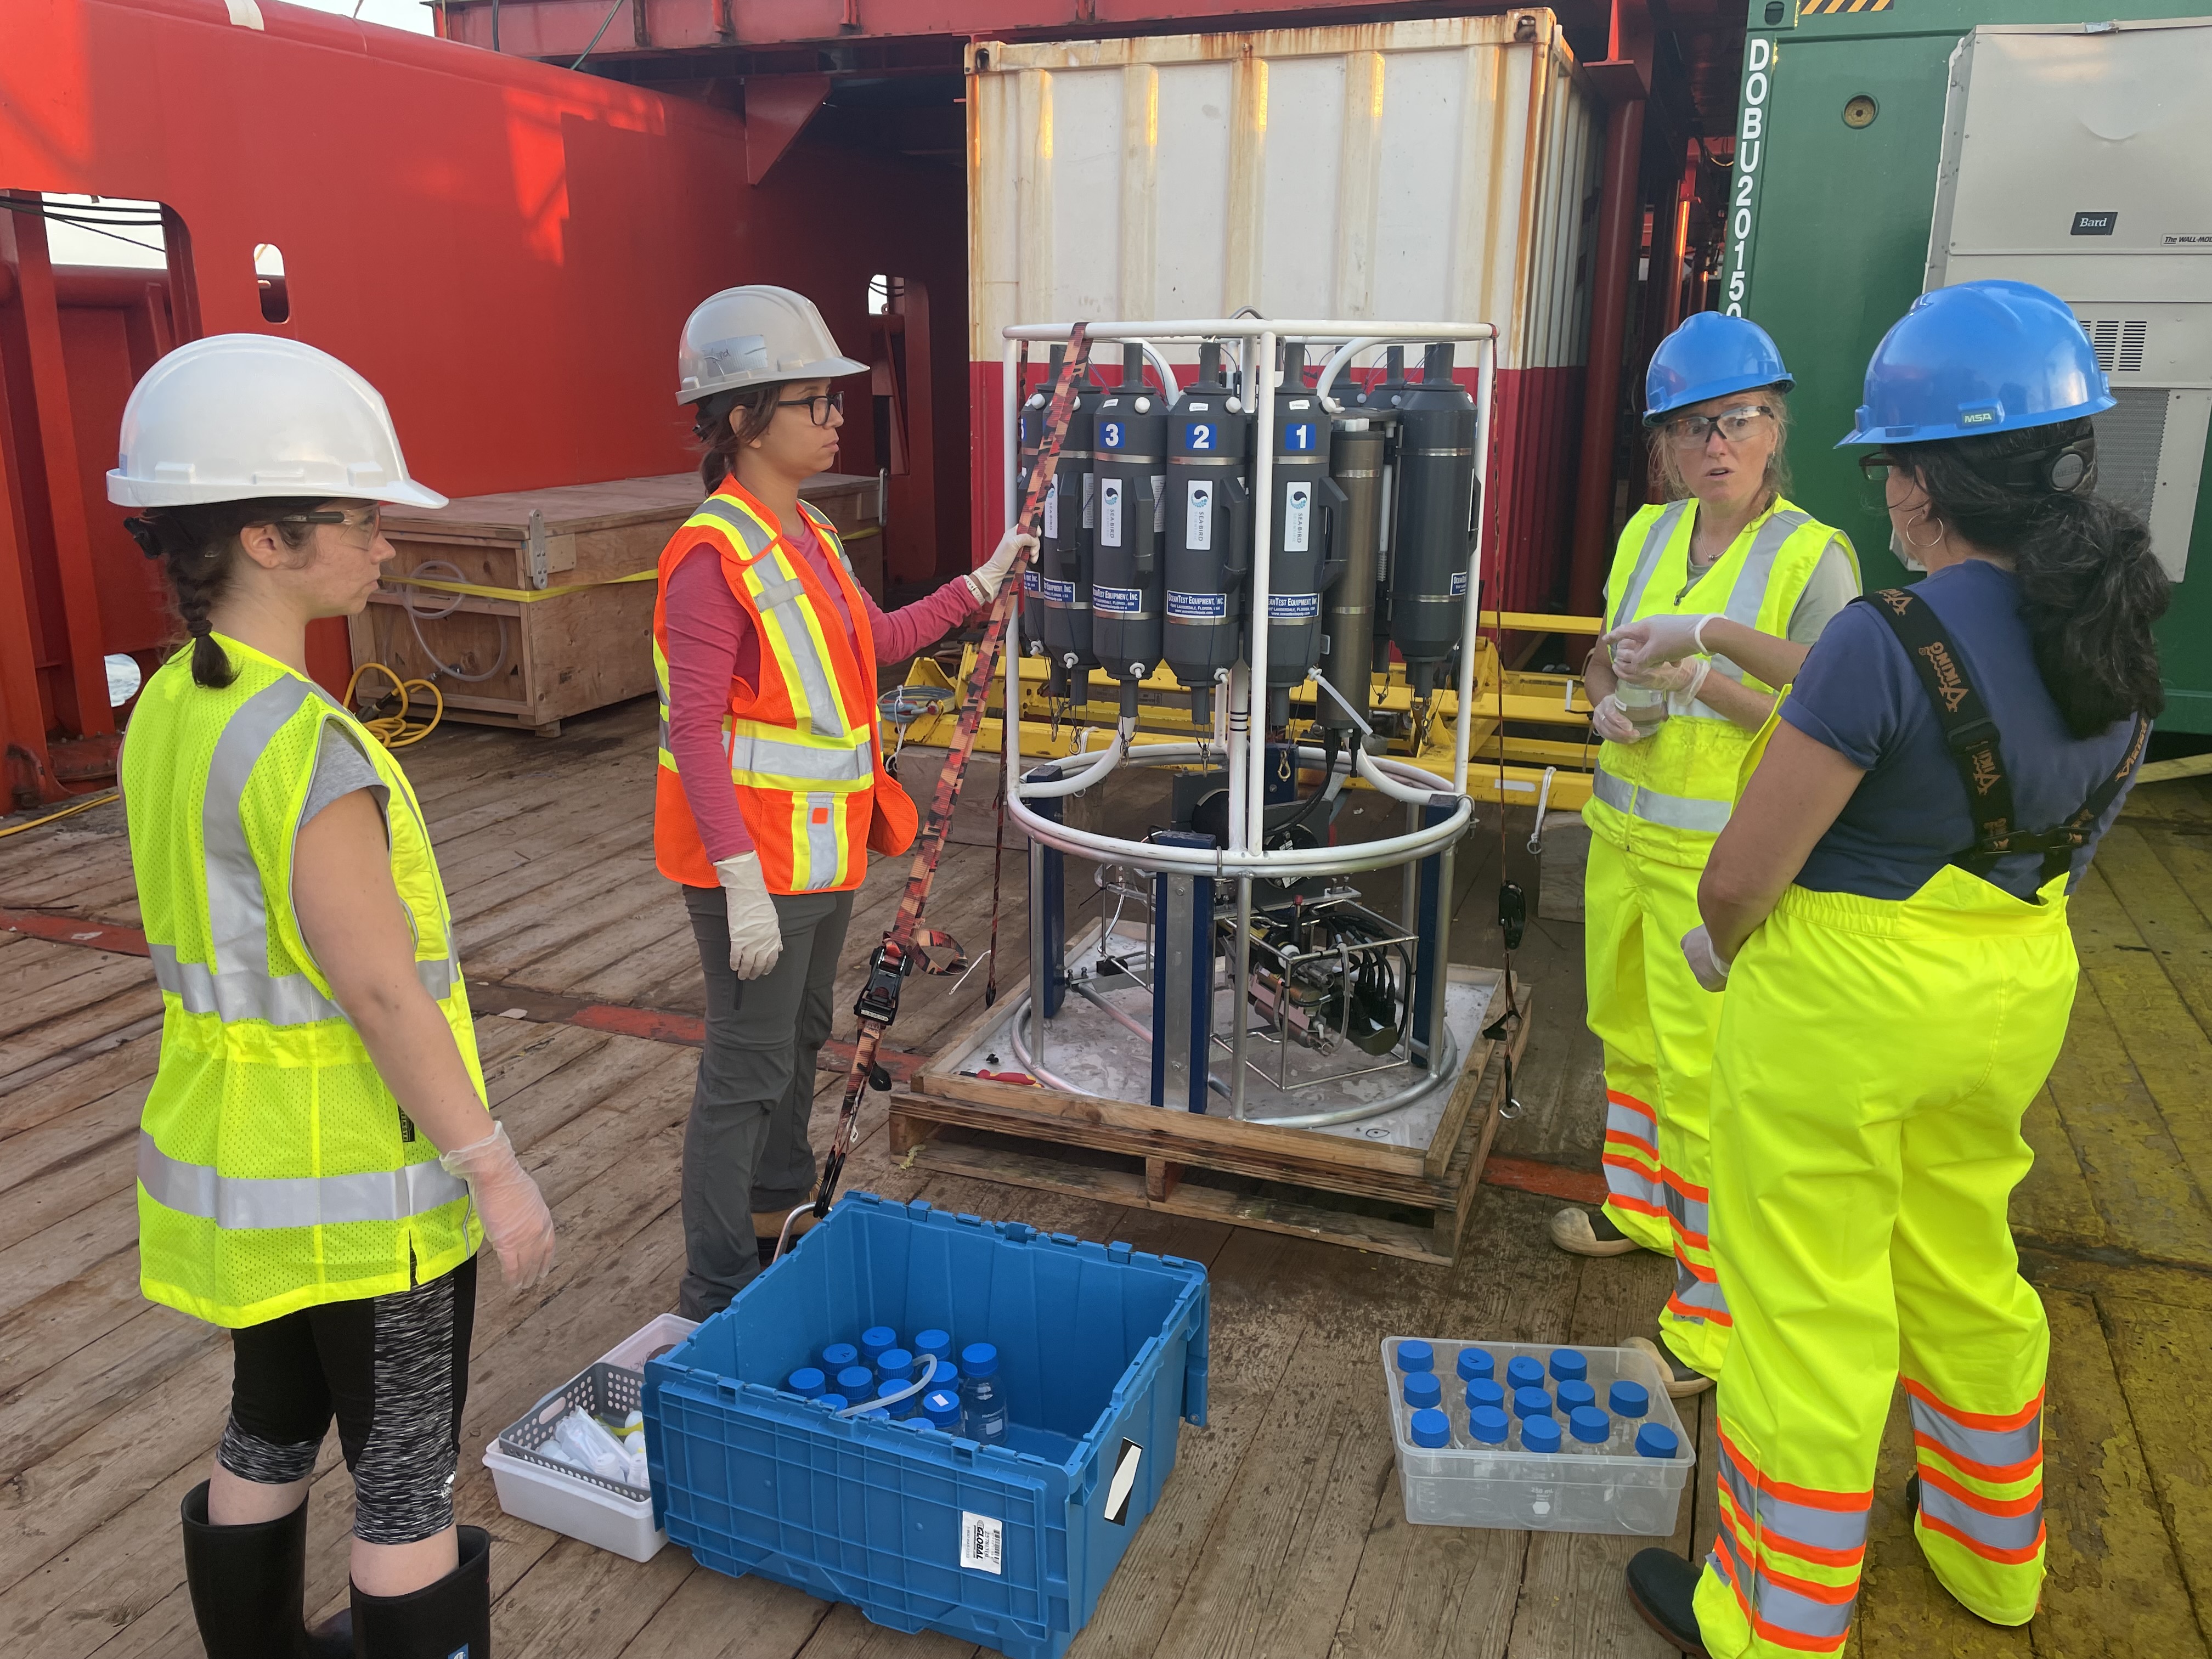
[[1198, 607], [1029, 582], [1297, 516], [1051, 507], [982, 1543], [1120, 601], [1124, 1483], [1294, 607], [1059, 592], [1086, 501], [1459, 584], [1109, 513], [1159, 503], [1197, 523]]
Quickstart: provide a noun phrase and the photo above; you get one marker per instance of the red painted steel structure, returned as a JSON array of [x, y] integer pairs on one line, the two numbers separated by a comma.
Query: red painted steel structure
[[506, 250]]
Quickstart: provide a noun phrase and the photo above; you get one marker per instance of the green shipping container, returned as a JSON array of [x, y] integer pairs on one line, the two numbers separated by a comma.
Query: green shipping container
[[1840, 133]]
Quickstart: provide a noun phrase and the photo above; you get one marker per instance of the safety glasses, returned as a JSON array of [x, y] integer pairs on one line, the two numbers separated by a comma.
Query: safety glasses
[[1875, 466], [363, 523], [1735, 425], [819, 408]]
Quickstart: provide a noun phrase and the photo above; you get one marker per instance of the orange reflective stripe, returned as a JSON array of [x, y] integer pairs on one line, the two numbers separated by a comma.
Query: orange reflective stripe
[[1999, 1473]]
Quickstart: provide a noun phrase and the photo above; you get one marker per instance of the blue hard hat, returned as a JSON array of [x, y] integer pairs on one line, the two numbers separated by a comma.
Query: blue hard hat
[[1977, 358], [1710, 356]]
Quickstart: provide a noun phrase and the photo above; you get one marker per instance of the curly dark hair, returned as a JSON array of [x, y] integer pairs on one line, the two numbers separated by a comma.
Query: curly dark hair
[[198, 549], [2089, 585]]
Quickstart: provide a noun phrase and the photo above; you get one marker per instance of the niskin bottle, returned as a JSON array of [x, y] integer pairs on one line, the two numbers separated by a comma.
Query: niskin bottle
[[1422, 1391], [1475, 1363], [875, 1340], [1430, 1429], [982, 1397], [1414, 1356], [807, 1381], [1654, 1440]]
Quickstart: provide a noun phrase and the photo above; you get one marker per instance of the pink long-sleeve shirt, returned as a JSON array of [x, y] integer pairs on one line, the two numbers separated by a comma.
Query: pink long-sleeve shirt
[[711, 642]]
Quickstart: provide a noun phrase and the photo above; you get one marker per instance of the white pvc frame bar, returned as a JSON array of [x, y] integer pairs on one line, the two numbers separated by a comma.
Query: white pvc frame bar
[[1248, 760]]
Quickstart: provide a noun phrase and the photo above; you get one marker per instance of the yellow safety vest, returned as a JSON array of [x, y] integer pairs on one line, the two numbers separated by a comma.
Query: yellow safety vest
[[1668, 797], [275, 1170]]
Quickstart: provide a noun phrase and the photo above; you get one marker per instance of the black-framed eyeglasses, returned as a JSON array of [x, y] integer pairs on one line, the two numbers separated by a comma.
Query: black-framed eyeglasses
[[1874, 466], [818, 407], [369, 518], [1734, 425]]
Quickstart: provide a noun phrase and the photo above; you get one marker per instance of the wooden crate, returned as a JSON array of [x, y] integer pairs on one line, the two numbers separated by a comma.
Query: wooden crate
[[1398, 1200], [552, 657]]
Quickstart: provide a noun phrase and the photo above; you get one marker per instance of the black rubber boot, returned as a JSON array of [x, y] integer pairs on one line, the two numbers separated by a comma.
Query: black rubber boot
[[246, 1583], [1662, 1587], [449, 1619]]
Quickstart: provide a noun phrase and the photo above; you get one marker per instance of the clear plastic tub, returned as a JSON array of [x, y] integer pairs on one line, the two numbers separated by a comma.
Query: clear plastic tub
[[1470, 1484]]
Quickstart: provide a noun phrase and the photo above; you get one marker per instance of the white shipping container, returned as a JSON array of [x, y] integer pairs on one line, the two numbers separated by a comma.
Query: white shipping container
[[1439, 168]]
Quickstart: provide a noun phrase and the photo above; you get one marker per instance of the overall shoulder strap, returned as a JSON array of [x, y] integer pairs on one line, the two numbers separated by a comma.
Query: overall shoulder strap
[[2071, 834], [1968, 731]]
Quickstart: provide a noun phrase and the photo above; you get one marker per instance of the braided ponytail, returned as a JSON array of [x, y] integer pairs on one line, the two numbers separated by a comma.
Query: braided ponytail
[[198, 547], [719, 440]]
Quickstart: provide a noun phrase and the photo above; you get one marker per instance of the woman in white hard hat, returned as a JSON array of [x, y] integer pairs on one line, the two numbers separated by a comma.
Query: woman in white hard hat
[[1725, 539], [1887, 912], [316, 1168], [771, 788]]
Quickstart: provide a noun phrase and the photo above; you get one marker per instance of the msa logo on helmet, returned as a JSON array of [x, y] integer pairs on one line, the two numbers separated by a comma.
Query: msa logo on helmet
[[1980, 414]]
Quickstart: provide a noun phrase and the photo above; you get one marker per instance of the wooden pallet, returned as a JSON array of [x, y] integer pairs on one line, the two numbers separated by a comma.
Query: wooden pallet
[[1397, 1200]]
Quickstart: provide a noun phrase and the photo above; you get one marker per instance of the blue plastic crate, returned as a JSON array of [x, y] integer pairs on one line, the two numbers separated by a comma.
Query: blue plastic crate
[[1102, 1351]]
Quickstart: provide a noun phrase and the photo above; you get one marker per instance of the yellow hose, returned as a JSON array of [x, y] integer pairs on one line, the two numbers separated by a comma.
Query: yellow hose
[[392, 730], [66, 811]]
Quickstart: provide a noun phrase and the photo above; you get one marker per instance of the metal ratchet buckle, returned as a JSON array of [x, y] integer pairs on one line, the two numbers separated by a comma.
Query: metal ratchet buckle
[[879, 998]]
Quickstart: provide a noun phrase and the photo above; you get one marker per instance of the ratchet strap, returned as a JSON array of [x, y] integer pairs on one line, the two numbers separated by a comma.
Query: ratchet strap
[[896, 957], [1971, 736]]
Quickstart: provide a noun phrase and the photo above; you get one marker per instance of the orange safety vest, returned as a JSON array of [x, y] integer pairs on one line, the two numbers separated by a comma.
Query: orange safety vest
[[803, 745]]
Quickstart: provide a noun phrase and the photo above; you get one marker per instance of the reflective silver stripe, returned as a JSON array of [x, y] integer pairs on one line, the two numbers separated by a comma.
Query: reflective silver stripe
[[750, 535], [1636, 1126], [1655, 543], [1827, 1621], [234, 994], [2014, 1533], [241, 1202], [1688, 1213], [1691, 1291], [821, 843], [1674, 811], [1794, 1524], [1747, 598], [765, 756], [1627, 1180], [1994, 1449], [770, 589]]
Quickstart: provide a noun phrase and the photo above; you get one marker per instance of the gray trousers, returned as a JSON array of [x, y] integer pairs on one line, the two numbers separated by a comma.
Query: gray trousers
[[745, 1145]]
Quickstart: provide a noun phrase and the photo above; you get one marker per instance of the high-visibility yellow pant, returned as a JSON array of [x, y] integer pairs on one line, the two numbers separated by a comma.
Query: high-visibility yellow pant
[[1658, 1024], [1874, 1061]]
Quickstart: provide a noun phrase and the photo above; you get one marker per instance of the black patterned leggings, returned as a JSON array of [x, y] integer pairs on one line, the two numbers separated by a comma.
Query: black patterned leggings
[[394, 1370]]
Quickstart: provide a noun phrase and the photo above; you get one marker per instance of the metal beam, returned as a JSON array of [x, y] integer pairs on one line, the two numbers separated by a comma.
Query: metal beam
[[776, 108]]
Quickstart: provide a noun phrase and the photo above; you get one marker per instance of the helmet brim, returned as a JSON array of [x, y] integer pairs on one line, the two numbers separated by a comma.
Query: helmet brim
[[828, 368], [1929, 435], [1724, 388], [125, 491]]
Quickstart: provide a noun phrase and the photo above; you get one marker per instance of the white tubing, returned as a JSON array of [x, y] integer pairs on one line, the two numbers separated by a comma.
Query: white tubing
[[1107, 759], [1378, 779], [1159, 360], [1252, 834], [1149, 856], [1336, 365], [1245, 328], [907, 1393]]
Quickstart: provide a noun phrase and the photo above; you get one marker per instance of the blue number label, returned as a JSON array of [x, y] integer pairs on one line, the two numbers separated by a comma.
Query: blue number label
[[1113, 431], [1202, 436], [1302, 436]]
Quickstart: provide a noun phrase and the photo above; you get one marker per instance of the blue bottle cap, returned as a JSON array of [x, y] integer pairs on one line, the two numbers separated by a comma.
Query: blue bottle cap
[[1431, 1428], [1629, 1399], [836, 1402], [1414, 1355], [1474, 1362], [807, 1381], [942, 1407], [875, 1340], [1569, 1366], [979, 1359], [837, 1356], [1590, 1424], [1539, 1434], [1422, 1390], [856, 1382], [1484, 1392], [1524, 1371], [1488, 1425], [1531, 1402], [880, 1412], [1654, 1440], [933, 1342], [1572, 1395], [894, 1362]]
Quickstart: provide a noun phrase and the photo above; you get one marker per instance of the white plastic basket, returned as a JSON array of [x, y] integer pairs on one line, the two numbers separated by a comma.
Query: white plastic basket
[[1566, 1490]]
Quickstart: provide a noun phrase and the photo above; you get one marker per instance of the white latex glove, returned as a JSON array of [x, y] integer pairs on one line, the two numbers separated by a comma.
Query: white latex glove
[[1709, 966], [515, 1219], [1642, 645], [1609, 722], [984, 582], [756, 933], [1679, 679]]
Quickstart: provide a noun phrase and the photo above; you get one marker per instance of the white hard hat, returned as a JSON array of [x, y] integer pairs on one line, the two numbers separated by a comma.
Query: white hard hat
[[237, 417], [754, 336]]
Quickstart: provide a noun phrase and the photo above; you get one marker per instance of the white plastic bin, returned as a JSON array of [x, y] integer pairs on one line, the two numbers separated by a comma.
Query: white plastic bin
[[574, 1503], [1566, 1490]]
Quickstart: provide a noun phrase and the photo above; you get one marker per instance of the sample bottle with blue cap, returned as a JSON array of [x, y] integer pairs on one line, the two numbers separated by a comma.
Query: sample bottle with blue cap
[[1487, 1426], [895, 1366], [856, 1383], [983, 1396], [1589, 1426], [942, 1407], [1524, 1371], [1414, 1355], [906, 1408], [875, 1340], [937, 1345], [1630, 1402], [1483, 1392], [1572, 1395], [1531, 1402], [1430, 1428], [836, 1402], [1475, 1363], [807, 1381], [1655, 1440], [1539, 1434], [837, 1356], [1422, 1391], [1569, 1366]]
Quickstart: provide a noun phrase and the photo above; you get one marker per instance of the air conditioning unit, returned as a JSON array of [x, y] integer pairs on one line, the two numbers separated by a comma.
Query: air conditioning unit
[[2074, 156]]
